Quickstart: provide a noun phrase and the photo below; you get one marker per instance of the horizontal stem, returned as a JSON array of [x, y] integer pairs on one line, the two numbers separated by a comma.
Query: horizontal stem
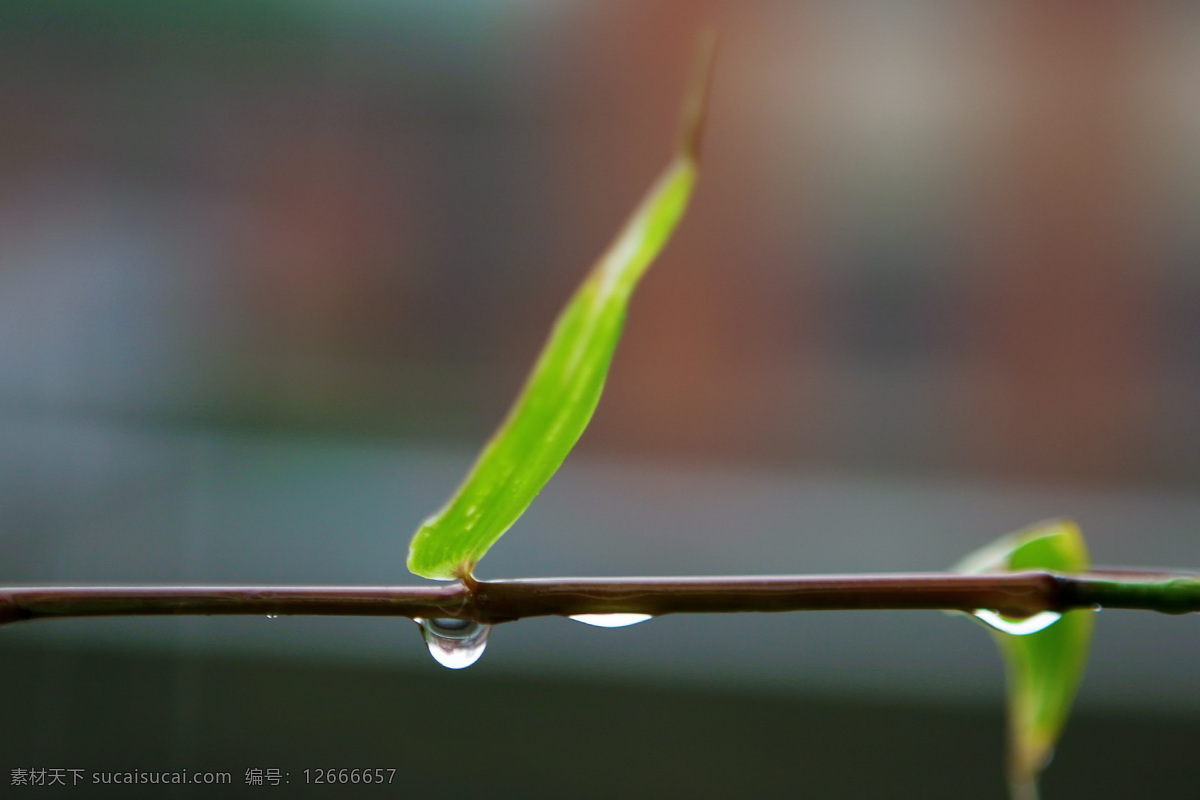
[[1016, 594]]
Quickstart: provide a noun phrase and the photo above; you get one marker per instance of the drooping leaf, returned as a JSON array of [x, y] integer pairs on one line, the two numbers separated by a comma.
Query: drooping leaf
[[1046, 667], [564, 387]]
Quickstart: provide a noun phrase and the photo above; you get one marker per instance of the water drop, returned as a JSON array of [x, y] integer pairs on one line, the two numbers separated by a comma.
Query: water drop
[[272, 616], [1018, 627], [454, 643], [610, 620]]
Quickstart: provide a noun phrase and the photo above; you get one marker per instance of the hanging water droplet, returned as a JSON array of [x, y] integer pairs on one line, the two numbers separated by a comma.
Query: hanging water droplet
[[1018, 627], [610, 620], [454, 643], [272, 616]]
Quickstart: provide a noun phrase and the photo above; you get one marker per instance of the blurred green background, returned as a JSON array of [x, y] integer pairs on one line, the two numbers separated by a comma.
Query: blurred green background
[[270, 272]]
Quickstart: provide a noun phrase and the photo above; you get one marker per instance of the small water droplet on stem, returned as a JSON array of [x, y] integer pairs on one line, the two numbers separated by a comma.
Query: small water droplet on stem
[[610, 620], [454, 643], [1018, 627]]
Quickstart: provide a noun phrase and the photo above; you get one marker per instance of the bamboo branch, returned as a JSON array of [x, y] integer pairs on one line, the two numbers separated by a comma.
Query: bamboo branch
[[1016, 594]]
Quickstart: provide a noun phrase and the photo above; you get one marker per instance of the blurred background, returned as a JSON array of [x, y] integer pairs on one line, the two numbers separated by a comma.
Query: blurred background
[[270, 272]]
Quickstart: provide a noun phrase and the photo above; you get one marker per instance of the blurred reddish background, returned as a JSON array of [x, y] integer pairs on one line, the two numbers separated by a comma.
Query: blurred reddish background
[[946, 238]]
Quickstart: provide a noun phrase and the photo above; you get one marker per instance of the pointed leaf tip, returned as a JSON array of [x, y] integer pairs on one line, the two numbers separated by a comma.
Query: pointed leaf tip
[[562, 391], [694, 116], [1044, 668]]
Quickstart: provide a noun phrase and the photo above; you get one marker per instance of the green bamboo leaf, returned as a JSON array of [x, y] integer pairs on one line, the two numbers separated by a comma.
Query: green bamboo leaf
[[564, 387], [1046, 667]]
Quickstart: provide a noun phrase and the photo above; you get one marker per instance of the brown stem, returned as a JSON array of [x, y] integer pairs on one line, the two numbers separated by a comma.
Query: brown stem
[[1017, 594]]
